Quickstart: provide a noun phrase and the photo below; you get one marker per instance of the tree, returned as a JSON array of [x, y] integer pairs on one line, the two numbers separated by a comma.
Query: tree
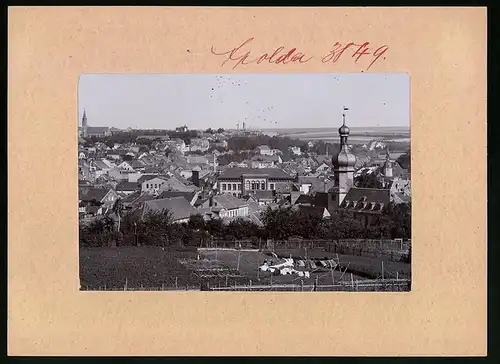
[[220, 130], [279, 223], [308, 225], [404, 160], [397, 219], [240, 229], [196, 222], [155, 227], [343, 225], [118, 210], [367, 180], [215, 227], [128, 157]]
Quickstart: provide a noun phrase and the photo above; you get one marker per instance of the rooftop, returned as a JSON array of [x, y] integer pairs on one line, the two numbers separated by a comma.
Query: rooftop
[[238, 172], [178, 206], [229, 201]]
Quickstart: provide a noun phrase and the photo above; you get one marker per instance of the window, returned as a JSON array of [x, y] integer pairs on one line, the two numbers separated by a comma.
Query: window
[[147, 185], [257, 185], [271, 186], [247, 185], [239, 186], [253, 185], [229, 186], [263, 185], [223, 187], [234, 186]]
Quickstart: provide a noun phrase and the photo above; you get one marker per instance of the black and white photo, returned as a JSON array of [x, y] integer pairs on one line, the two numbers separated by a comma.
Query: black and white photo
[[244, 182]]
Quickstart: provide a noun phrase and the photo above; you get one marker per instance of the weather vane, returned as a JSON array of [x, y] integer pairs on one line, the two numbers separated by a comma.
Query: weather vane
[[343, 114]]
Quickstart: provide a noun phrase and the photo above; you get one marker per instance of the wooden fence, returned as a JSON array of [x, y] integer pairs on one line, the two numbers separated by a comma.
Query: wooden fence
[[391, 249], [388, 285]]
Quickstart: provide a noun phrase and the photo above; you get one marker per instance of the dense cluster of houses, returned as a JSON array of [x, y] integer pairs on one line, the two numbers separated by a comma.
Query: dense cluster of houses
[[187, 180]]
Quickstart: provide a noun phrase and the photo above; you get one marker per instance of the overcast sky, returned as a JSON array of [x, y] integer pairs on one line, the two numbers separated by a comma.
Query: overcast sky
[[164, 101]]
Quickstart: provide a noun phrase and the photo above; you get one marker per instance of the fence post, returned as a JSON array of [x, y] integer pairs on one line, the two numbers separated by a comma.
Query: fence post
[[302, 285], [176, 287]]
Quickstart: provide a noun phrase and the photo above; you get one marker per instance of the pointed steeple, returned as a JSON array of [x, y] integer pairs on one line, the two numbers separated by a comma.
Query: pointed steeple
[[84, 123]]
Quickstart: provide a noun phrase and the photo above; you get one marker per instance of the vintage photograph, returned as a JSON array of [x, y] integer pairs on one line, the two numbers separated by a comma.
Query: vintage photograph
[[244, 182]]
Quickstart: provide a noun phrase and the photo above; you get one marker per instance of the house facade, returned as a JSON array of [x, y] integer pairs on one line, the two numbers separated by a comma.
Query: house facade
[[153, 185], [240, 181], [228, 206]]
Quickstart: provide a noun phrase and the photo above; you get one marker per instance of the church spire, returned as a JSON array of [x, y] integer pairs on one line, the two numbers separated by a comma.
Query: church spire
[[343, 163], [84, 123]]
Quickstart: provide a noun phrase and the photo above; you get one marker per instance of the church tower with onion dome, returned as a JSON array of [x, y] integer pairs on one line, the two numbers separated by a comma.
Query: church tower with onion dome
[[343, 164]]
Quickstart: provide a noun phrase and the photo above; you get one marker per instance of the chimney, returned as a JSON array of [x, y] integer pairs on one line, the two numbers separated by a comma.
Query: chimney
[[196, 177]]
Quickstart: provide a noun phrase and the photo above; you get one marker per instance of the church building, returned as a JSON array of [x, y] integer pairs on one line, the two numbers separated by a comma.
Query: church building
[[86, 131]]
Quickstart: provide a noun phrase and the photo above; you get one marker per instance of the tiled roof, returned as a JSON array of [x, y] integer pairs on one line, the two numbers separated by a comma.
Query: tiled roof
[[262, 195], [312, 210], [127, 186], [197, 159], [169, 194], [371, 194], [265, 158], [238, 172], [263, 147], [100, 164], [136, 164], [97, 129], [200, 201], [229, 201], [95, 194], [148, 177], [178, 206], [366, 199], [303, 199]]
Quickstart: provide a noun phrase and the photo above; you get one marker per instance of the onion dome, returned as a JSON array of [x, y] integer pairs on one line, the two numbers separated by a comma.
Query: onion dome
[[344, 130], [344, 159]]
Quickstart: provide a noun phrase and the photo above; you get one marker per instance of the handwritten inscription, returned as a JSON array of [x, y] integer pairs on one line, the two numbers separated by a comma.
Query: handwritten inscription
[[358, 50], [242, 54]]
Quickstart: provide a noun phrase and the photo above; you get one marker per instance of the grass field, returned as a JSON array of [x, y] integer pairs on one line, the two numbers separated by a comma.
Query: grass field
[[367, 267], [250, 261], [146, 266], [150, 267]]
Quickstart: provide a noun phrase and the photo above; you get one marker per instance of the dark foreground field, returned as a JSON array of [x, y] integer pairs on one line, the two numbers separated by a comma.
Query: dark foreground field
[[111, 268], [155, 268]]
